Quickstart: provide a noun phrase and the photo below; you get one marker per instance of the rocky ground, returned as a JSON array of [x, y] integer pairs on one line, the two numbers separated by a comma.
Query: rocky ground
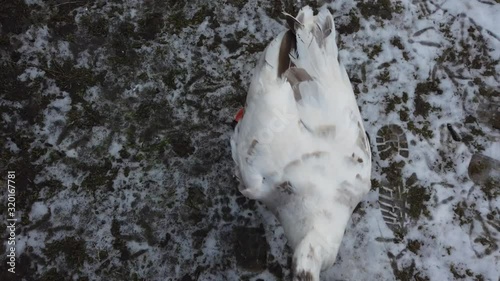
[[116, 118]]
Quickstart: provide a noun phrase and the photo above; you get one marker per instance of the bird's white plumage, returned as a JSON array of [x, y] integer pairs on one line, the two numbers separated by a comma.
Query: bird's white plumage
[[301, 147]]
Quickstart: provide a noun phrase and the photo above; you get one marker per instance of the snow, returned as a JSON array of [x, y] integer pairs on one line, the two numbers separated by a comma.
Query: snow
[[38, 210], [154, 148]]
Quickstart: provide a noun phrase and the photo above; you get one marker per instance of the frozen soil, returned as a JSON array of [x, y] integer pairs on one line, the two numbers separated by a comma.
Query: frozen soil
[[116, 118]]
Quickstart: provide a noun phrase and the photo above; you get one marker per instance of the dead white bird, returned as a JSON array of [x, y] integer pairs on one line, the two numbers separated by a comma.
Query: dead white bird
[[300, 147]]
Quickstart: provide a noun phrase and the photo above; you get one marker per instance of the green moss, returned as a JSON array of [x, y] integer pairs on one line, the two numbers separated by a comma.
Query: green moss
[[396, 42], [130, 133], [375, 184], [126, 171], [62, 24], [200, 15], [414, 246], [123, 53], [83, 117], [470, 119], [384, 77], [52, 186], [118, 242], [38, 152], [138, 157], [15, 16], [127, 29], [237, 3], [403, 115], [405, 97], [73, 249], [417, 196], [275, 9], [490, 68], [448, 250], [487, 92], [455, 272], [476, 62], [376, 49], [381, 9], [353, 25], [53, 275], [178, 20], [422, 107], [11, 88], [174, 75], [406, 273], [26, 192], [426, 132], [491, 188], [398, 8], [143, 76], [475, 131], [255, 48], [151, 24], [232, 45], [124, 154], [148, 231], [25, 219], [197, 202], [70, 78], [100, 177], [460, 212], [96, 25], [182, 145], [393, 173], [480, 277], [406, 56], [427, 87]]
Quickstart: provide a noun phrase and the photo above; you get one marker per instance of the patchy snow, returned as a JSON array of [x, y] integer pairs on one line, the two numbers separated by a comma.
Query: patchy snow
[[119, 120]]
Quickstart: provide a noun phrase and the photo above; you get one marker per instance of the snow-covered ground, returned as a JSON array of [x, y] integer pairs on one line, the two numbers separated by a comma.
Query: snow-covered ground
[[116, 118]]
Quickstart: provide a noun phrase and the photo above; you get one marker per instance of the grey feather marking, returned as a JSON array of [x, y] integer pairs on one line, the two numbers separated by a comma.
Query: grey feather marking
[[361, 141], [285, 187], [288, 43], [251, 148], [305, 126], [354, 159], [290, 165], [300, 18], [328, 26], [295, 76], [326, 131], [310, 255], [316, 154], [346, 195], [296, 94], [304, 157], [318, 34], [321, 131], [321, 32], [294, 23]]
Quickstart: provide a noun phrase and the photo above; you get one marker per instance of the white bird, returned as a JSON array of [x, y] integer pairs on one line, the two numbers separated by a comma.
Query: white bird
[[301, 147]]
